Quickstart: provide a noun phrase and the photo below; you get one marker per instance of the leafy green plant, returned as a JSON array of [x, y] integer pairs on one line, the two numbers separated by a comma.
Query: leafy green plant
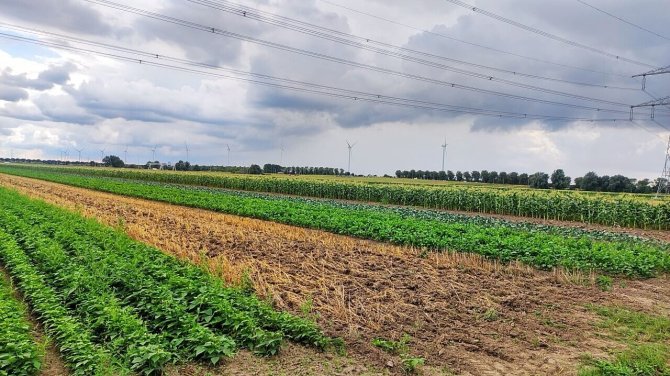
[[410, 364], [75, 343], [393, 347], [400, 347], [490, 314], [19, 354], [604, 282]]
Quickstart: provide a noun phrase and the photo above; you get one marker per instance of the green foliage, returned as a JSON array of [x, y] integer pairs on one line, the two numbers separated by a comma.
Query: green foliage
[[119, 292], [633, 326], [19, 354], [410, 363], [643, 360], [255, 169], [401, 348], [648, 353], [490, 314], [589, 207], [604, 282], [545, 247], [539, 180], [74, 342], [112, 161]]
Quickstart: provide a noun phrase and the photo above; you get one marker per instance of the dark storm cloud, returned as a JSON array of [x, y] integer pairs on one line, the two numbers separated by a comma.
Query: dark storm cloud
[[141, 101], [197, 45], [71, 15]]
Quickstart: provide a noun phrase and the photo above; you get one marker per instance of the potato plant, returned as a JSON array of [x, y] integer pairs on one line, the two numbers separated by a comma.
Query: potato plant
[[19, 354], [116, 306]]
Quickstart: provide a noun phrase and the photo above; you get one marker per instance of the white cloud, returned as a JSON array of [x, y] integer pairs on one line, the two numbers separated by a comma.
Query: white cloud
[[106, 103]]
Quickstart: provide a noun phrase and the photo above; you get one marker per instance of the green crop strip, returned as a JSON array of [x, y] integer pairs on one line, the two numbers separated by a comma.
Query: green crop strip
[[133, 308], [648, 344], [19, 354], [545, 247], [607, 209]]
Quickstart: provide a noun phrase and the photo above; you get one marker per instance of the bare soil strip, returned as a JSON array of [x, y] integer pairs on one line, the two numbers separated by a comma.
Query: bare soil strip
[[464, 314]]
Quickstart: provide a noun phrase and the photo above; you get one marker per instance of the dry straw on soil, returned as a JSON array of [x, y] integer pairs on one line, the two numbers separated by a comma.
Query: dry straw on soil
[[462, 311]]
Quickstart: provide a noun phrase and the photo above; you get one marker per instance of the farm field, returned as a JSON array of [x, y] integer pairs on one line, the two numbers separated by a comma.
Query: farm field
[[545, 247], [115, 306], [462, 313], [628, 210]]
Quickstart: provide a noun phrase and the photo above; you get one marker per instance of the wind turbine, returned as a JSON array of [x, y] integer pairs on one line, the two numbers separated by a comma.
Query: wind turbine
[[125, 155], [79, 152], [228, 147], [153, 151], [444, 152], [350, 146], [281, 158], [102, 154], [185, 144]]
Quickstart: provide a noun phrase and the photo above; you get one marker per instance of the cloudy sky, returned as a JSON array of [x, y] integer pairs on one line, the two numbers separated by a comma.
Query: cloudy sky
[[54, 99]]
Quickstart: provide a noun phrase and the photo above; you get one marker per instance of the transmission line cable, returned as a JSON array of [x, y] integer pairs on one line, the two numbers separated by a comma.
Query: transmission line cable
[[547, 34], [365, 43], [294, 85], [440, 35], [623, 20], [303, 52]]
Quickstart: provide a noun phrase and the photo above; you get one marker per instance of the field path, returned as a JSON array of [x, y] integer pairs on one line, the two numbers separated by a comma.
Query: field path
[[464, 314]]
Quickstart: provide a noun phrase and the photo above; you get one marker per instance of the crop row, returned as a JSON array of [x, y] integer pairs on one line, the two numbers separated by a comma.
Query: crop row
[[116, 306], [620, 210], [543, 247], [19, 354]]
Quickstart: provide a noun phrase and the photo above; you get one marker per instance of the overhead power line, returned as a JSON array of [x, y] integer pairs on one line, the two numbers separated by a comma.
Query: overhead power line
[[147, 58], [217, 31], [366, 43], [623, 20], [653, 72], [547, 34], [440, 35]]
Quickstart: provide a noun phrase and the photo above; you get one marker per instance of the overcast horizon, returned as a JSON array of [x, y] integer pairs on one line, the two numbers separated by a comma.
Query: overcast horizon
[[54, 99]]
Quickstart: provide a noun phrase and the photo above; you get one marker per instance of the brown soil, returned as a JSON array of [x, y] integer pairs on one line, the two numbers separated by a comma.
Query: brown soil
[[465, 315]]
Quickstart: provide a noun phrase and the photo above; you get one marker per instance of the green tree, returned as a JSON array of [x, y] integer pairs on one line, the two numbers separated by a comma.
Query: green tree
[[255, 169], [590, 182], [513, 178], [643, 186], [504, 179], [559, 180], [539, 180], [113, 161], [476, 175]]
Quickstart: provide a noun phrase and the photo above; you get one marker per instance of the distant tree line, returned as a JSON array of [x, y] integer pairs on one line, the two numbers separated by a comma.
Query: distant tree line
[[557, 180], [484, 176], [274, 169]]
